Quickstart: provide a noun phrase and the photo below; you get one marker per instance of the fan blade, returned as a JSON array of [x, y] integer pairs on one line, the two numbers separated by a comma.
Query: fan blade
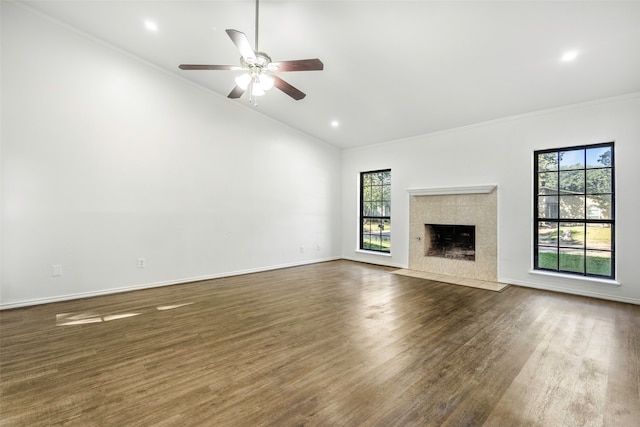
[[237, 92], [242, 43], [288, 89], [208, 67], [298, 65]]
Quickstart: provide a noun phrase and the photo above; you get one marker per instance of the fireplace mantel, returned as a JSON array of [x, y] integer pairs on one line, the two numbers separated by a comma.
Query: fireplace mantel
[[466, 189]]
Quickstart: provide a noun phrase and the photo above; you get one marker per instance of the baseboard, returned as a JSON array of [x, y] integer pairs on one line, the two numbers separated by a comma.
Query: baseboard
[[598, 295], [369, 261], [38, 301], [68, 297]]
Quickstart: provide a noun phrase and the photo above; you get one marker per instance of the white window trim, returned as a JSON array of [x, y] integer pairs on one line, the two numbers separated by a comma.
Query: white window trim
[[363, 251], [590, 279]]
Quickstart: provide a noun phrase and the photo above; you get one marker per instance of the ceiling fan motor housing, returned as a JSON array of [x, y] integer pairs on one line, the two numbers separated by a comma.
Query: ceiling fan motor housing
[[258, 64]]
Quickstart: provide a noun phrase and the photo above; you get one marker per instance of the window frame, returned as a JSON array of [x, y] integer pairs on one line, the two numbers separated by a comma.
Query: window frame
[[363, 217], [584, 220]]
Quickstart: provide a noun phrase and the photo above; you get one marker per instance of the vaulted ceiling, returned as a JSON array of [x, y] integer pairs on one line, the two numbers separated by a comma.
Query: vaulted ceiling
[[392, 69]]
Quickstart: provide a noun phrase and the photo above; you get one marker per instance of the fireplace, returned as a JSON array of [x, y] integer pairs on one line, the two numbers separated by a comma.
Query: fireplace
[[450, 206], [450, 241]]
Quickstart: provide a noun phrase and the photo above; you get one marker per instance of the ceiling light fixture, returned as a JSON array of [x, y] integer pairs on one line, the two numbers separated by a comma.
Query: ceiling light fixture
[[258, 68], [255, 78], [151, 26], [570, 55], [334, 123]]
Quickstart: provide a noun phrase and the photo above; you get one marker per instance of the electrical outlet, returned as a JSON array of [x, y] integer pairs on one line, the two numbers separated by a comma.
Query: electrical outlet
[[56, 270], [318, 247], [301, 249], [142, 263]]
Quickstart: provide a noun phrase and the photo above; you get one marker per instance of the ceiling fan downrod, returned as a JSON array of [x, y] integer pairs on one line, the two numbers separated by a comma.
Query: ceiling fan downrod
[[257, 18]]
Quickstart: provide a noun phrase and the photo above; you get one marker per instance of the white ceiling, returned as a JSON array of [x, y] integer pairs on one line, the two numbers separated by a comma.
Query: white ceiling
[[392, 69]]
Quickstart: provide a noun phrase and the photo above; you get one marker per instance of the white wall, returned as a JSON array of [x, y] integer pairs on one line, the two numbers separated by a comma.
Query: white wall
[[106, 159], [501, 153]]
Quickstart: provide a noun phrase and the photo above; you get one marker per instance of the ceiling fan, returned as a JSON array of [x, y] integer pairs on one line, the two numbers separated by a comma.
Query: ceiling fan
[[258, 68]]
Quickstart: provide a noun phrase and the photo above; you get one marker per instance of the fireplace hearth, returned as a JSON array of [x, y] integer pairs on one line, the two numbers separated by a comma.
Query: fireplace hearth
[[450, 241]]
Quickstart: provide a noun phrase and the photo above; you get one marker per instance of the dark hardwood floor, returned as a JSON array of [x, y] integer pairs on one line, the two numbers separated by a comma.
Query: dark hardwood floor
[[337, 344]]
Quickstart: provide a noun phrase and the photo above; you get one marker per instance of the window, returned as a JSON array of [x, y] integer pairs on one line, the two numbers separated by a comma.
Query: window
[[375, 210], [574, 210]]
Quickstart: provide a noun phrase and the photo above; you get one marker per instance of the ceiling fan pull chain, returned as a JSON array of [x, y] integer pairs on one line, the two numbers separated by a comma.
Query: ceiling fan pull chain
[[253, 99]]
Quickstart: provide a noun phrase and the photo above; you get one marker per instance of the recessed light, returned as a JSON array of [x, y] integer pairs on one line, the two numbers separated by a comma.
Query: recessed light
[[151, 26], [570, 55], [335, 123]]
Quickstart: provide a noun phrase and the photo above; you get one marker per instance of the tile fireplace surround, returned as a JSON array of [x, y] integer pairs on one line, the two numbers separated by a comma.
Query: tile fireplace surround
[[469, 205]]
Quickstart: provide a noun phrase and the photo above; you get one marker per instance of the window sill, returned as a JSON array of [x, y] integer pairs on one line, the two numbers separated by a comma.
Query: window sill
[[362, 251], [578, 278]]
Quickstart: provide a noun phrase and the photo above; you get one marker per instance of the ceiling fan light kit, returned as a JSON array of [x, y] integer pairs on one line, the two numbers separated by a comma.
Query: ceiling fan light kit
[[256, 78], [258, 67]]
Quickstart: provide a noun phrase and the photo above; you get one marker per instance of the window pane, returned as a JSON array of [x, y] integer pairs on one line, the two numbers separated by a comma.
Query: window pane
[[548, 207], [376, 209], [375, 242], [384, 227], [372, 193], [366, 241], [572, 181], [599, 181], [366, 179], [386, 209], [548, 233], [548, 183], [548, 258], [599, 236], [572, 207], [572, 260], [572, 159], [387, 178], [386, 193], [598, 157], [366, 194], [572, 235], [548, 161], [599, 207], [599, 263], [385, 242], [367, 208], [378, 193]]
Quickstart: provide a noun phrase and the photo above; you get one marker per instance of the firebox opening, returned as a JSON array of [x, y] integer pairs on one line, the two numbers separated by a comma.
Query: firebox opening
[[450, 241]]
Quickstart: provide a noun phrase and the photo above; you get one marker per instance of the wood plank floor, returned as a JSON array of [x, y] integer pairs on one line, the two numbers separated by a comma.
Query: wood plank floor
[[336, 344]]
